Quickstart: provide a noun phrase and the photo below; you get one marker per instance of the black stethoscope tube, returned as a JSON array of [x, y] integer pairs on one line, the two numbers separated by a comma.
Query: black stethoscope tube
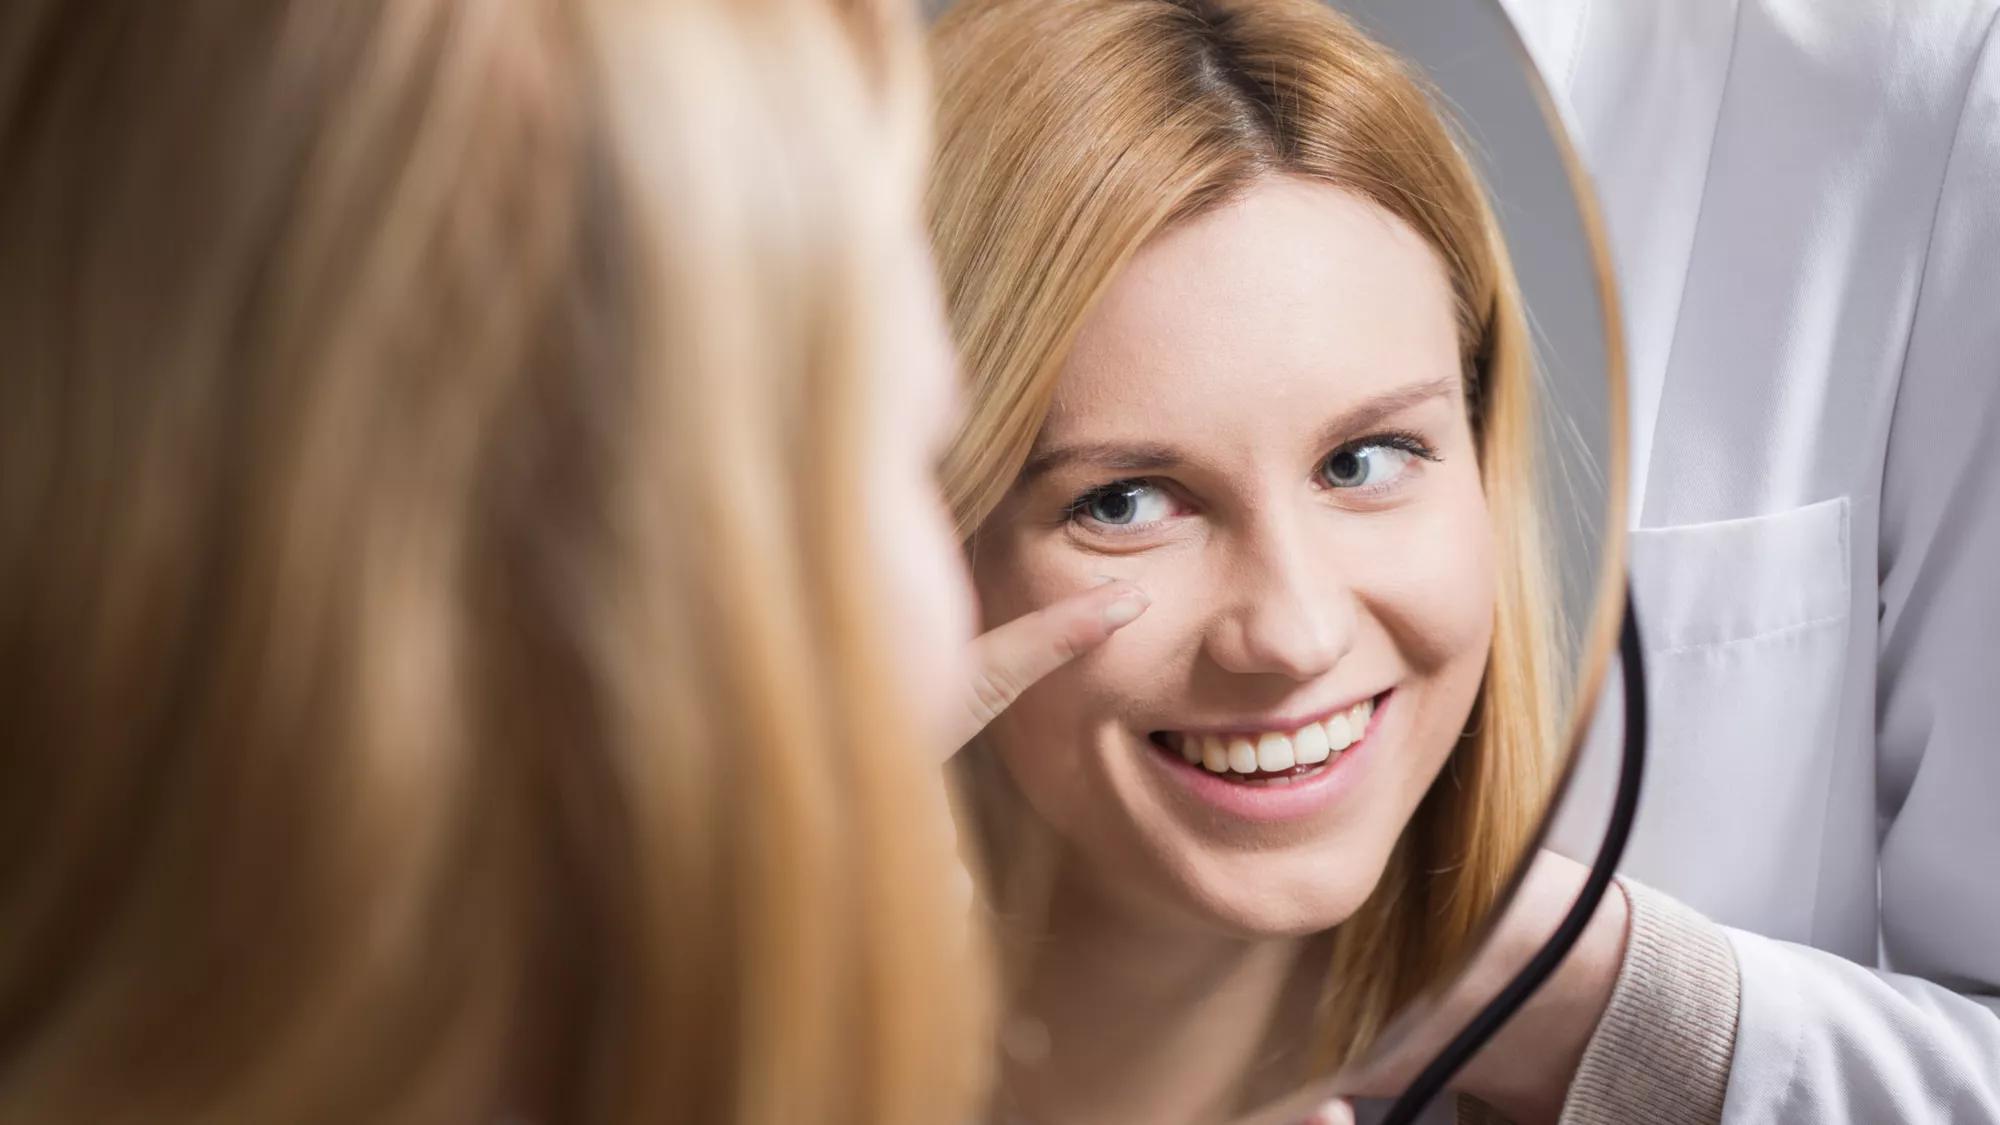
[[1624, 807]]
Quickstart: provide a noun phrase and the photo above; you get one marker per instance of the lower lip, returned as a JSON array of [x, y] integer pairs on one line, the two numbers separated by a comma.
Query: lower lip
[[1307, 794]]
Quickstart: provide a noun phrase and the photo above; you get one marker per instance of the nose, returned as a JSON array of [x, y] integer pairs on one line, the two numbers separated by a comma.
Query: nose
[[1288, 610]]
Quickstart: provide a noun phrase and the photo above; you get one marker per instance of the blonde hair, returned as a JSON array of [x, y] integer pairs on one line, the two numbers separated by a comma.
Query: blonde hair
[[430, 686], [1071, 133]]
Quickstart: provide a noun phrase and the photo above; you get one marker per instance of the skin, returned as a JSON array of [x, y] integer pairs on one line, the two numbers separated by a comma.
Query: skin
[[1235, 354]]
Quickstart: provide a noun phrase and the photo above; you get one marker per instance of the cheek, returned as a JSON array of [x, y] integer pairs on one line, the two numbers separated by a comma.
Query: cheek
[[1018, 568], [1145, 664], [1437, 598], [1048, 740]]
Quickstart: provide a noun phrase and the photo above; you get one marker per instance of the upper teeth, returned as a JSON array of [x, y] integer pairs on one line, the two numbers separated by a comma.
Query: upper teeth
[[1306, 746]]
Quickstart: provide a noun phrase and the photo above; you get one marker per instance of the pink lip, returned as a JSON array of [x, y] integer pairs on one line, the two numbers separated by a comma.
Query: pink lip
[[1307, 795]]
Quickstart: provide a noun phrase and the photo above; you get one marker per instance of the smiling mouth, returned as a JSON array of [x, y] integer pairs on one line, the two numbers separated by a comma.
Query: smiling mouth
[[1273, 757]]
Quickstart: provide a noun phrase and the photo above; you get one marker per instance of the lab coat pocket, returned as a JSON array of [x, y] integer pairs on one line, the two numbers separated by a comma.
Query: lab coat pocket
[[1745, 624]]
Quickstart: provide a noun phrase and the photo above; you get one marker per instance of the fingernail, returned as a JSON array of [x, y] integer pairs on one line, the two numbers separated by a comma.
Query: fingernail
[[1104, 579], [1126, 609]]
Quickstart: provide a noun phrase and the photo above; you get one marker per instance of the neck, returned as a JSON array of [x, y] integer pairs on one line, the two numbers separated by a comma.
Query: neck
[[1129, 1014]]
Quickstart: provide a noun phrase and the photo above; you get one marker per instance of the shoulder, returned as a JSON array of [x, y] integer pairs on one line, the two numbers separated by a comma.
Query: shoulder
[[1917, 55], [1921, 57]]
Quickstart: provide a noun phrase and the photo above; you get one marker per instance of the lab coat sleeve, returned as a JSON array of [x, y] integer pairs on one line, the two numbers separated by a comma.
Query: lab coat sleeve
[[1819, 1038]]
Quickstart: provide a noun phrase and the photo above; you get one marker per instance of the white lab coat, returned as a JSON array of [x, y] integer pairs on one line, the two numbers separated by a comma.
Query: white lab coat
[[1803, 199]]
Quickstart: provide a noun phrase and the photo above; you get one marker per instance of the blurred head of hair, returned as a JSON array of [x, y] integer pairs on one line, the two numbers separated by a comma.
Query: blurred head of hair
[[436, 682]]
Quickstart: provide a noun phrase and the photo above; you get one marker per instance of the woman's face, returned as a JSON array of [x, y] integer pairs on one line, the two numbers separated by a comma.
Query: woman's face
[[1263, 425]]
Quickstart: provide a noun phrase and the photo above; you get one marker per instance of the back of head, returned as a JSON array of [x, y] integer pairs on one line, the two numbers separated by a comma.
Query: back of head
[[1069, 134], [431, 686]]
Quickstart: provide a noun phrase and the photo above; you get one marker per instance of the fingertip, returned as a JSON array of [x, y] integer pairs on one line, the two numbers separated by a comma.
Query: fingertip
[[1126, 608], [1111, 586]]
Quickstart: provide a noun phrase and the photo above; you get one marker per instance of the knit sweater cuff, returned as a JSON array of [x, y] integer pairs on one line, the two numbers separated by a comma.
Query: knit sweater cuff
[[1662, 1050]]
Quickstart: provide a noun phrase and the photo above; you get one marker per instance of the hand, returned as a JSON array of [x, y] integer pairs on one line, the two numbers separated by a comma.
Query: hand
[[1008, 660], [1335, 1112], [1525, 1070]]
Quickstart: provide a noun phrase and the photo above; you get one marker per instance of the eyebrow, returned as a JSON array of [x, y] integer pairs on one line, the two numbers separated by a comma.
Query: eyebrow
[[1142, 457]]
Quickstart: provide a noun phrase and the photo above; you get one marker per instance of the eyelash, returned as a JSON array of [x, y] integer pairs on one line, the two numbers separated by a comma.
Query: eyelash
[[1404, 440], [1072, 512]]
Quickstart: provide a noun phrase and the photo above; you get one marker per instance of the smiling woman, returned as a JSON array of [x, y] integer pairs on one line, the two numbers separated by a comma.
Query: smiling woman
[[1238, 327]]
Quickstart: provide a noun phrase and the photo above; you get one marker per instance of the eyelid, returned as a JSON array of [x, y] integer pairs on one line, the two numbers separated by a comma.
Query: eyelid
[[1408, 441]]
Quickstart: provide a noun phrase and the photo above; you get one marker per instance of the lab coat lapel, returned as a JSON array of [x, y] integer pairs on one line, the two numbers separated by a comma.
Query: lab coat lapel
[[1648, 155]]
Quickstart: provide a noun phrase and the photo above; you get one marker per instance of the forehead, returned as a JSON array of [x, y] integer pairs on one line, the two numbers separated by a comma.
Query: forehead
[[1291, 301]]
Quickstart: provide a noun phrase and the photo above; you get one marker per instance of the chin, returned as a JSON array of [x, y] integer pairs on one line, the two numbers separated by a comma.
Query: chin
[[1143, 844], [1265, 896]]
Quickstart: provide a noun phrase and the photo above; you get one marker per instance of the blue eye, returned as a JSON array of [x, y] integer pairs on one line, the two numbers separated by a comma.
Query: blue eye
[[1376, 462], [1122, 504]]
